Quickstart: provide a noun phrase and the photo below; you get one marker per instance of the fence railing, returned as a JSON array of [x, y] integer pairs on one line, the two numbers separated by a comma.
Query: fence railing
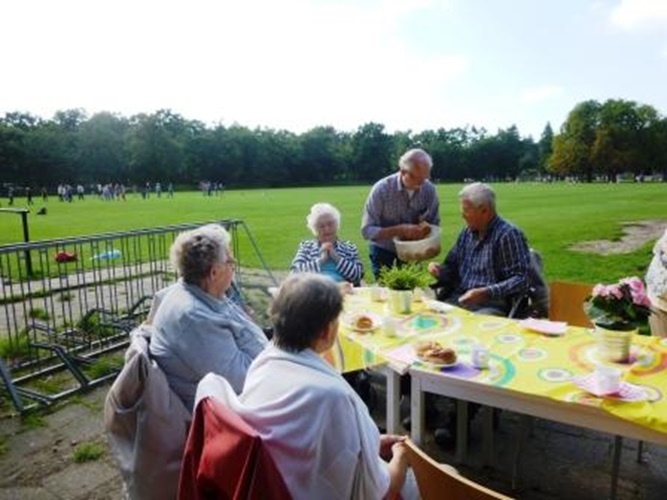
[[67, 305]]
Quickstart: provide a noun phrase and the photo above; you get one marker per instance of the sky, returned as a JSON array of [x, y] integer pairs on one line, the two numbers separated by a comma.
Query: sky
[[411, 65]]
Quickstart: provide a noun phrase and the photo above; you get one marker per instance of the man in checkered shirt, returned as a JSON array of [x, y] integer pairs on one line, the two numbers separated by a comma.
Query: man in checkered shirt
[[396, 206]]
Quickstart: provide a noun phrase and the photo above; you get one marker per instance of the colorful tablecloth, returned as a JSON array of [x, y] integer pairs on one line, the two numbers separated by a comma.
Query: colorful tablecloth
[[520, 359]]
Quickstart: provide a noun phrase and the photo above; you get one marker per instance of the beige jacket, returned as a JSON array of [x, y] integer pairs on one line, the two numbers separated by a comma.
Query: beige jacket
[[147, 424]]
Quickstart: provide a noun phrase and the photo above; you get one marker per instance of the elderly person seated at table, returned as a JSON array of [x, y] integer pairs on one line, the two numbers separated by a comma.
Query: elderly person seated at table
[[317, 430], [198, 329], [486, 269], [656, 285], [489, 264], [326, 253]]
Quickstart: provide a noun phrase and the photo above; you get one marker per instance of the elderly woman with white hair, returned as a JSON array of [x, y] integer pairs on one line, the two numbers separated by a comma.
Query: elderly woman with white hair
[[198, 329], [327, 254]]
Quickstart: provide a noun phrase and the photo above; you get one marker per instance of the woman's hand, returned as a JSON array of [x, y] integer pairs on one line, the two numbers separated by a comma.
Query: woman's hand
[[387, 442], [325, 252]]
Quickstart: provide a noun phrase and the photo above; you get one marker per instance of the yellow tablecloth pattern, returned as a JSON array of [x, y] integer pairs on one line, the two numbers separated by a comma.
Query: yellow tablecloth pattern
[[520, 360]]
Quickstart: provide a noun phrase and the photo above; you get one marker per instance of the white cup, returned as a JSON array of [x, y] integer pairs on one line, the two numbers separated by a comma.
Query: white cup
[[389, 327], [480, 356], [377, 293], [608, 379]]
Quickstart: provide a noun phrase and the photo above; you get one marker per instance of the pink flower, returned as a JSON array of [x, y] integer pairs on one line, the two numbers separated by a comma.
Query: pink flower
[[624, 304], [636, 285], [637, 290], [615, 290]]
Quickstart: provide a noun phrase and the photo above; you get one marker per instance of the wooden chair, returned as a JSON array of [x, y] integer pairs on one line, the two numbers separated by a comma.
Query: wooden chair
[[566, 302], [441, 482]]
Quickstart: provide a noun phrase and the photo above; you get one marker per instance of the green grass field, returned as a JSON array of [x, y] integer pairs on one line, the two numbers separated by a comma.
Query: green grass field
[[553, 216]]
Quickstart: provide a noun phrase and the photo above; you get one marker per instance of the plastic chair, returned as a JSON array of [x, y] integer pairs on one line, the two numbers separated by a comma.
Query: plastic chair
[[566, 302], [441, 482]]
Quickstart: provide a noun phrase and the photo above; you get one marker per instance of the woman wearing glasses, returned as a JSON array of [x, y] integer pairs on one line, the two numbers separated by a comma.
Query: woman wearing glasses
[[198, 328]]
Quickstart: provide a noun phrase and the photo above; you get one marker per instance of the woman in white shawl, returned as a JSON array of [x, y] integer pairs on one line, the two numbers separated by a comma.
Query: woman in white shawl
[[316, 428], [656, 284]]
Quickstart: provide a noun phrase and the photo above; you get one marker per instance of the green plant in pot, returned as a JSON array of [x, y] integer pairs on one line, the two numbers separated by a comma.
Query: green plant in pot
[[401, 280]]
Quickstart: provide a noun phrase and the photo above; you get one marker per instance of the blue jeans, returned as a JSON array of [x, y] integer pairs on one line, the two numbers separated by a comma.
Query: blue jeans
[[380, 258]]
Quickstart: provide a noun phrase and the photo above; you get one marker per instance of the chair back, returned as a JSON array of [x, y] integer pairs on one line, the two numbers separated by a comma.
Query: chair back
[[566, 302], [225, 458], [534, 303], [146, 424], [437, 482]]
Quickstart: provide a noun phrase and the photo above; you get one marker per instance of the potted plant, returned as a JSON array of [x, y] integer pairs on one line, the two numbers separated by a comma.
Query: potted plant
[[618, 311], [401, 280]]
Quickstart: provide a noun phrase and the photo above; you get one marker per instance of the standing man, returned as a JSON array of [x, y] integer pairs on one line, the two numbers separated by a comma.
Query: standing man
[[397, 205]]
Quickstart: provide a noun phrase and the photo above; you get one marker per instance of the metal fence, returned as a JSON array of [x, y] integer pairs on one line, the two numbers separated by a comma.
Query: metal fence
[[67, 305]]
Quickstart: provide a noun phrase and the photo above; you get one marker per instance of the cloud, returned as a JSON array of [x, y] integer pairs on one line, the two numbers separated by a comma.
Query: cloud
[[633, 15], [543, 93]]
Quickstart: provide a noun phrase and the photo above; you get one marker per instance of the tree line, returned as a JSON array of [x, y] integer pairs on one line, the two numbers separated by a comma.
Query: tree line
[[596, 140]]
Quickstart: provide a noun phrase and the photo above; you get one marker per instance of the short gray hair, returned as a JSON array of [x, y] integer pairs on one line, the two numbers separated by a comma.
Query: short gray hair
[[319, 210], [408, 159], [479, 194], [195, 252], [304, 305]]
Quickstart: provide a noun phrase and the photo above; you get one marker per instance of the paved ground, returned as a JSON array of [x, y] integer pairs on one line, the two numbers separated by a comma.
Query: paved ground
[[559, 462]]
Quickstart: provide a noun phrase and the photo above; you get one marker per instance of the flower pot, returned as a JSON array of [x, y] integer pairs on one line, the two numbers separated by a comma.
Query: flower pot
[[400, 301], [614, 345]]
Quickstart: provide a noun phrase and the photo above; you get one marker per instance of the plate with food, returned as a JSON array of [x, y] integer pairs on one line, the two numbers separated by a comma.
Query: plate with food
[[433, 353], [362, 321]]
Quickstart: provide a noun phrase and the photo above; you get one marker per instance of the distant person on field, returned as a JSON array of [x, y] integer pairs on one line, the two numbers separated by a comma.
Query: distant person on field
[[326, 253], [158, 189], [10, 195], [45, 194], [396, 206], [489, 263], [170, 190], [80, 191]]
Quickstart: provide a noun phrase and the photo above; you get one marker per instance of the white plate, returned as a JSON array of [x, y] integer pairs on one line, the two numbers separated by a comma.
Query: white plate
[[437, 306], [349, 320], [544, 326]]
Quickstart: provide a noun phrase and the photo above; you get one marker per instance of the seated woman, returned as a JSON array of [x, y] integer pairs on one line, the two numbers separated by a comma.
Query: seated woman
[[198, 329], [326, 254], [656, 284], [315, 427]]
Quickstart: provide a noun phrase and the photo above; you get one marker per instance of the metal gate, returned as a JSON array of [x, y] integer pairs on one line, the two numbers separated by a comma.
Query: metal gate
[[67, 305]]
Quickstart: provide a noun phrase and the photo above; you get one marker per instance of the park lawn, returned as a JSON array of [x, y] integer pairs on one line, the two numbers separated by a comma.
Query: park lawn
[[553, 216]]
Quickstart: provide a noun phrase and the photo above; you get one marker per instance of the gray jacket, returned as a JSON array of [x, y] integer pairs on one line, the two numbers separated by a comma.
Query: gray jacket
[[197, 333], [147, 424]]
